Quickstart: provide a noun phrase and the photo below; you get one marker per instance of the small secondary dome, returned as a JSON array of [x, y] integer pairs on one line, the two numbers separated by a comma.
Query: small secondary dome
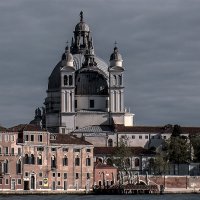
[[116, 58], [115, 55], [67, 58]]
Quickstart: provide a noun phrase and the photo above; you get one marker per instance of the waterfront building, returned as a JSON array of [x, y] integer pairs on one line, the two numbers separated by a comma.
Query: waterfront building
[[105, 175], [34, 159], [10, 161], [136, 162]]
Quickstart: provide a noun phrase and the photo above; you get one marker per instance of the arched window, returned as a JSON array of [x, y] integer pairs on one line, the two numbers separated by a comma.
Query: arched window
[[53, 162], [113, 179], [127, 162], [19, 167], [99, 160], [65, 161], [115, 80], [110, 143], [65, 80], [26, 159], [52, 137], [100, 183], [39, 159], [137, 162], [70, 80], [120, 79], [88, 162], [6, 166], [32, 159], [77, 161]]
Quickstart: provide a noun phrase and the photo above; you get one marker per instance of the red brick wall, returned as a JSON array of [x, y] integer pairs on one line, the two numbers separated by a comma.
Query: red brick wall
[[107, 174]]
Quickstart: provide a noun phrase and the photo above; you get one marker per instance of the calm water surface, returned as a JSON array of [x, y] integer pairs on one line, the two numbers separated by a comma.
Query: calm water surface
[[104, 197]]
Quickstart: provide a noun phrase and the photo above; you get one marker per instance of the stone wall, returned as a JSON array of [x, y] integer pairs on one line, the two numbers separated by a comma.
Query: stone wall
[[174, 181]]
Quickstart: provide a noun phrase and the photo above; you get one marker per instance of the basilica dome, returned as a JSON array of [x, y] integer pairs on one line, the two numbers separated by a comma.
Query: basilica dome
[[83, 89], [55, 79]]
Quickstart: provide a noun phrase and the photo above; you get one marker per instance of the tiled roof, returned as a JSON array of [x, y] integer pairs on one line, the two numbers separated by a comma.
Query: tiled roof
[[191, 130], [26, 127], [155, 129], [94, 129], [122, 128], [67, 139], [104, 166], [3, 128], [111, 150]]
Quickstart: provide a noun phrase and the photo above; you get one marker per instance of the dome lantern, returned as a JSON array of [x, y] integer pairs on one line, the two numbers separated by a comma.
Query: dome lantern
[[81, 40], [116, 58], [82, 26], [67, 58]]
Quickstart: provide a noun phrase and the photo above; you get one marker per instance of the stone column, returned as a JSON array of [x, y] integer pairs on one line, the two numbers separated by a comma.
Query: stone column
[[72, 101], [62, 101]]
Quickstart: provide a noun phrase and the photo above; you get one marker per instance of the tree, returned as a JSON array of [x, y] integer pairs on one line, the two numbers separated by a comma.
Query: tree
[[177, 131], [122, 154], [178, 148], [158, 165], [195, 147]]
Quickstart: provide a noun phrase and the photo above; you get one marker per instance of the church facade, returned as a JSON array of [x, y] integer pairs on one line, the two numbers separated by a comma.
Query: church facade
[[85, 98], [84, 92]]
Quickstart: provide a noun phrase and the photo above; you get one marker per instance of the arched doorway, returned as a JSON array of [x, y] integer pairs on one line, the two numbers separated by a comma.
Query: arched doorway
[[33, 181]]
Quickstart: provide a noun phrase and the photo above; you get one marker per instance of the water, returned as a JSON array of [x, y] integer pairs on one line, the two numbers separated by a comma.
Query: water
[[103, 197]]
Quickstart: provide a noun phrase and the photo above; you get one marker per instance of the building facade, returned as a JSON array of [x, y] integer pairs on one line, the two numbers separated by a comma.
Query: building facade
[[83, 90], [105, 175], [33, 159]]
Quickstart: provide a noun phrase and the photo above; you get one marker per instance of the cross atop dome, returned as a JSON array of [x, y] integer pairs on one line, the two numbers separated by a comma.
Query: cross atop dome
[[81, 16], [115, 43]]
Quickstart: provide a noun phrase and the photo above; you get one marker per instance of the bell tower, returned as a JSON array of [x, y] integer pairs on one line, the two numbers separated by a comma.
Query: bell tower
[[116, 82], [67, 73]]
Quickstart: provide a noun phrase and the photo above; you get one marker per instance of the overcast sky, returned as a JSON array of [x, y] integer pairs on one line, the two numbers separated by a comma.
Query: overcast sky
[[159, 41]]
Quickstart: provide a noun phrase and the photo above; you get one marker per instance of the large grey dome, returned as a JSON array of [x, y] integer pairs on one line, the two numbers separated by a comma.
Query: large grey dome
[[55, 80]]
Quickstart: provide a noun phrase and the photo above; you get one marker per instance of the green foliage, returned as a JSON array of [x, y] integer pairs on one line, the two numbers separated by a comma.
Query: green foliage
[[195, 144], [121, 156], [176, 131], [153, 149], [159, 165], [178, 148]]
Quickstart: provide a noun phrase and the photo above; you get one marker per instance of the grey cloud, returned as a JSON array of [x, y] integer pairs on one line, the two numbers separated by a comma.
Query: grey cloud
[[159, 41]]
